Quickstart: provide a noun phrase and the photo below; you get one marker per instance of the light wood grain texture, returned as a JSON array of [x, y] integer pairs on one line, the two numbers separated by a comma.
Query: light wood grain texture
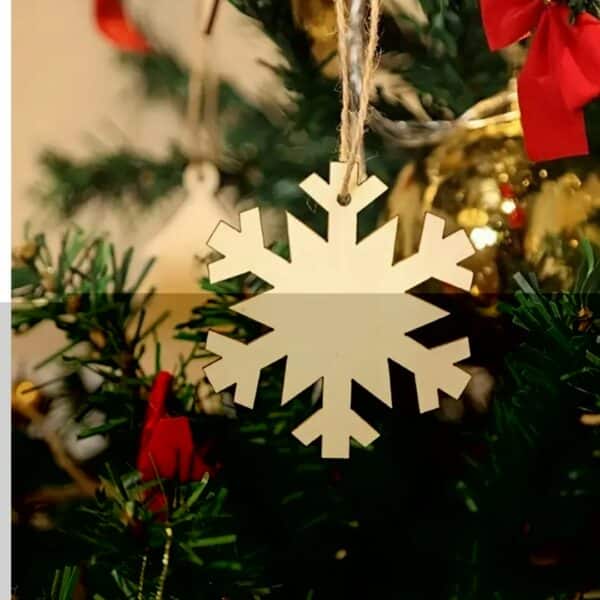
[[339, 310]]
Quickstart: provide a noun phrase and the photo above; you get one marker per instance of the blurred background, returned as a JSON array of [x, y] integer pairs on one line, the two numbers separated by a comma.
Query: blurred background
[[133, 123], [71, 93]]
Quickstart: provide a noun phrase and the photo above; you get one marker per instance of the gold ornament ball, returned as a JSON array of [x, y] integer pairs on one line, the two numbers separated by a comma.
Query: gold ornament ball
[[318, 19], [513, 210], [26, 252], [26, 399]]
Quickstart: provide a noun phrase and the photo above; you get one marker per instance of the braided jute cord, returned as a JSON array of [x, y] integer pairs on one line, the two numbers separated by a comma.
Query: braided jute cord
[[352, 130]]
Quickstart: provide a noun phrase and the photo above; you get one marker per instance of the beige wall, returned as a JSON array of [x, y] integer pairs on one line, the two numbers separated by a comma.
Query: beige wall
[[70, 93]]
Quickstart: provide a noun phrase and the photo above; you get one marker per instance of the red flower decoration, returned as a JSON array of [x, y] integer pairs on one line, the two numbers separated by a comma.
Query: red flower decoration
[[167, 449], [116, 26], [561, 74]]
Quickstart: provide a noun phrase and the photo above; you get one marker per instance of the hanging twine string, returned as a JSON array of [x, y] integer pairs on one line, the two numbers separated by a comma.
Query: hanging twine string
[[500, 108], [202, 100], [340, 11], [353, 123]]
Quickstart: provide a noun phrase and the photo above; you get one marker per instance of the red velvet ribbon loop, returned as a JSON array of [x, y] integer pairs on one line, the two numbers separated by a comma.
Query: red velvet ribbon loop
[[167, 449], [116, 26], [561, 73]]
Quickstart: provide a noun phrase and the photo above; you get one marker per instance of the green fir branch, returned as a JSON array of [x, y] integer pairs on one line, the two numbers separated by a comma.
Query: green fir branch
[[579, 6], [117, 177], [537, 453], [65, 581], [163, 77]]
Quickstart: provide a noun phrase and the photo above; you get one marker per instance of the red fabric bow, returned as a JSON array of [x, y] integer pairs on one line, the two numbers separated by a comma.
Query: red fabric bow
[[167, 449], [561, 74], [116, 26]]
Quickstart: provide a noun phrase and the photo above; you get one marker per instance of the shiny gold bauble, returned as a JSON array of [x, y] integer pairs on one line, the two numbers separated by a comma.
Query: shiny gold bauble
[[518, 215], [26, 399], [26, 252], [564, 206], [318, 19]]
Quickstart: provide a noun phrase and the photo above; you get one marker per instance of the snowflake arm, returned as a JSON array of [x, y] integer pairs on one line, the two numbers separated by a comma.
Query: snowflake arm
[[243, 360], [326, 194], [341, 230], [438, 257], [336, 422], [434, 369], [244, 248]]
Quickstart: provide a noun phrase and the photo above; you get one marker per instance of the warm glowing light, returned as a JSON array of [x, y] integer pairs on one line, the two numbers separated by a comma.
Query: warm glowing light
[[472, 217], [490, 194], [483, 237], [508, 206]]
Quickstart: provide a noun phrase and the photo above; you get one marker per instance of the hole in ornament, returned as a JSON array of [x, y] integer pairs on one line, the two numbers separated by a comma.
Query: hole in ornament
[[344, 199]]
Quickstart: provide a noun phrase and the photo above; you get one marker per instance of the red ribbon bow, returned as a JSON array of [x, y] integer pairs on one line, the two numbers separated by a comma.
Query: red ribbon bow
[[561, 74], [116, 26], [167, 449]]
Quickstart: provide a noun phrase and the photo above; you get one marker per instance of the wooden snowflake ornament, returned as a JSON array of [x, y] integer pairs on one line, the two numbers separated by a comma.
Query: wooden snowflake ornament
[[316, 299]]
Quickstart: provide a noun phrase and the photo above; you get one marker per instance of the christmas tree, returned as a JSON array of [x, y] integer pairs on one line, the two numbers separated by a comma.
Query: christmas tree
[[136, 479]]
